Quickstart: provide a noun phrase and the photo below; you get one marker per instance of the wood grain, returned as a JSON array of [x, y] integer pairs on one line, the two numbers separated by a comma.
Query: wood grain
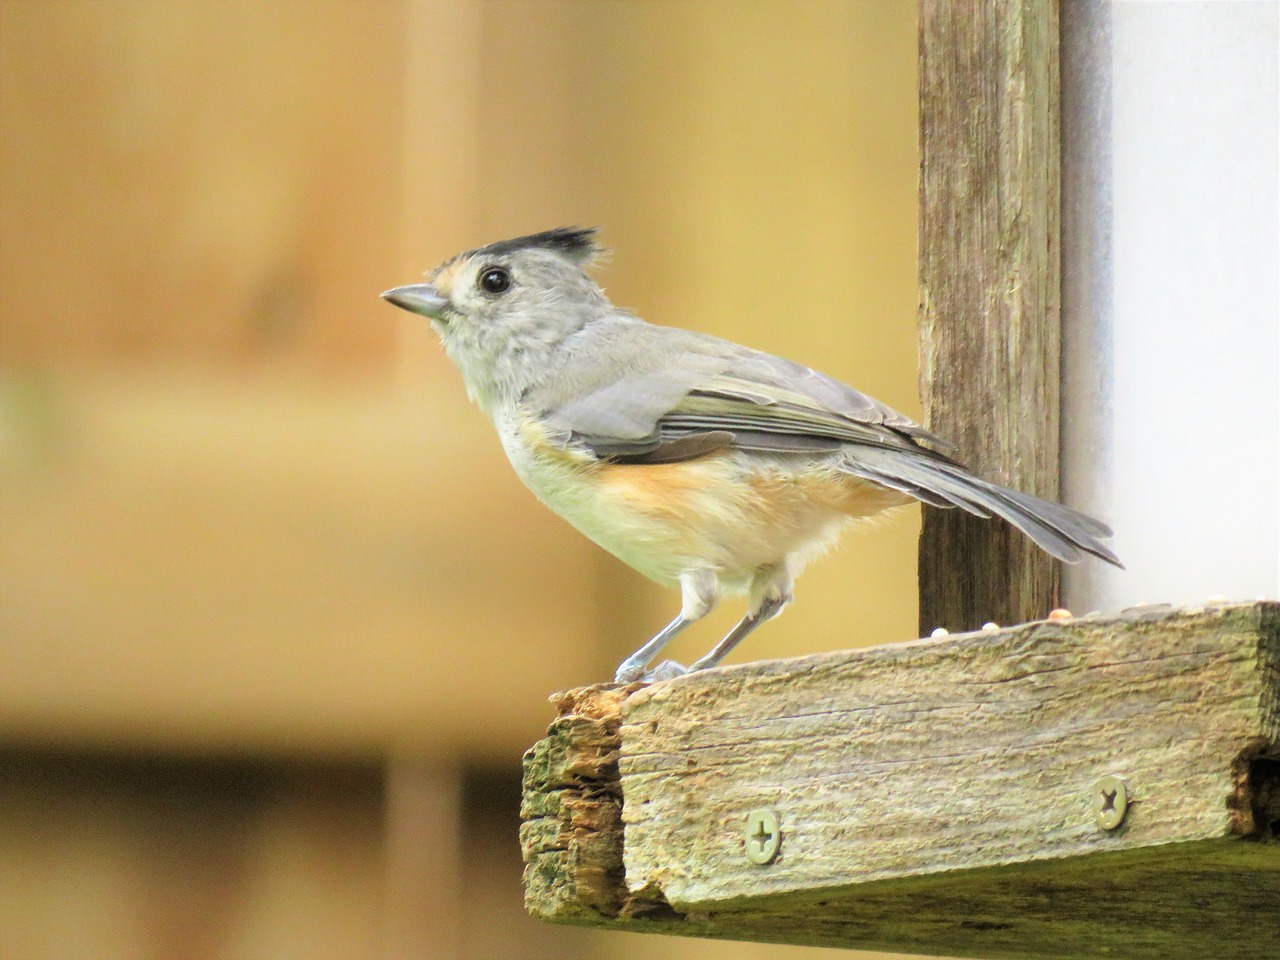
[[989, 293], [936, 796]]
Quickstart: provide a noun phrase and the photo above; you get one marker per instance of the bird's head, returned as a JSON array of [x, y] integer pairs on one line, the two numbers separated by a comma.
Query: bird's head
[[502, 309], [509, 285]]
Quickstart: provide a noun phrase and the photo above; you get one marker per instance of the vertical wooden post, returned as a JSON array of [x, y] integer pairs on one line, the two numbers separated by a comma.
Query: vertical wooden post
[[423, 824], [989, 293]]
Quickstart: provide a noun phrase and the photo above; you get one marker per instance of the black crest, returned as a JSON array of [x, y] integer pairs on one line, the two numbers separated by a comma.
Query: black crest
[[576, 243]]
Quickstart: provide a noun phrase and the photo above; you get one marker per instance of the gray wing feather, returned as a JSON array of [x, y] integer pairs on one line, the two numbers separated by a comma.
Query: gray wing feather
[[630, 407], [618, 379], [829, 393], [628, 382]]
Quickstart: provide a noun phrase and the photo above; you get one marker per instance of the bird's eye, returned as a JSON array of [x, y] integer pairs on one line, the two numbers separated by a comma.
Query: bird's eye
[[495, 280]]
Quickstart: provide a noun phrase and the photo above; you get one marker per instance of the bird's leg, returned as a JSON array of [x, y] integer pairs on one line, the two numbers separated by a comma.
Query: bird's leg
[[770, 592], [741, 630], [699, 592], [634, 666]]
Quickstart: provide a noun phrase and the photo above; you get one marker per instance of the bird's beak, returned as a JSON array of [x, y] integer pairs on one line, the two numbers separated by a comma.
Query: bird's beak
[[421, 298]]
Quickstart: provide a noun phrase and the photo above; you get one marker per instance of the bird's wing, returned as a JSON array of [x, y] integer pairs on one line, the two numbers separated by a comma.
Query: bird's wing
[[771, 395], [706, 394], [626, 410]]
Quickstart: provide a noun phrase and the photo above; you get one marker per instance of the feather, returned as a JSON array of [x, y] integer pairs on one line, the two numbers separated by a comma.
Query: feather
[[576, 243]]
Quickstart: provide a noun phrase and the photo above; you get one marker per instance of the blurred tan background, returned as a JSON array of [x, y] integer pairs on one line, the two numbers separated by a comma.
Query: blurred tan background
[[276, 619]]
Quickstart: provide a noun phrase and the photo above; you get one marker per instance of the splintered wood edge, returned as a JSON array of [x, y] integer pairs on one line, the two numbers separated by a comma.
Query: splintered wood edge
[[572, 830]]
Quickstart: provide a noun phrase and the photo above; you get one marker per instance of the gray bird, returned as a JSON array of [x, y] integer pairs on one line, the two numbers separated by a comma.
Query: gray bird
[[699, 462]]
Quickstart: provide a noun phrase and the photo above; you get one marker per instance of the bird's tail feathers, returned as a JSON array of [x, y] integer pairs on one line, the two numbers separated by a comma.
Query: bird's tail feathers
[[1060, 531]]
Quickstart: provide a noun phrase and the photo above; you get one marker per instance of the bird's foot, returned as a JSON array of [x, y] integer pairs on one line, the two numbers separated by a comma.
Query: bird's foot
[[629, 671], [666, 670]]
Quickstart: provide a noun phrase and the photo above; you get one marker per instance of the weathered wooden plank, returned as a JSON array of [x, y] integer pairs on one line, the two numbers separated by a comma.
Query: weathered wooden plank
[[989, 293], [936, 796]]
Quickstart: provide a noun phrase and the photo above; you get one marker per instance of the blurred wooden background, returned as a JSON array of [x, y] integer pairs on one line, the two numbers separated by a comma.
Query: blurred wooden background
[[276, 620]]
